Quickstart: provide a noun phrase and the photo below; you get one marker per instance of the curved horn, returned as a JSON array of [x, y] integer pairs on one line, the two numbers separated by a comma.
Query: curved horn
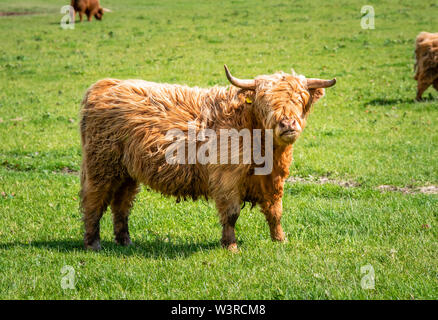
[[244, 84], [106, 10], [320, 83]]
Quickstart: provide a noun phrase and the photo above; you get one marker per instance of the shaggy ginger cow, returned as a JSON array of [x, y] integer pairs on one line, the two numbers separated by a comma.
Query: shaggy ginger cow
[[123, 130], [426, 65]]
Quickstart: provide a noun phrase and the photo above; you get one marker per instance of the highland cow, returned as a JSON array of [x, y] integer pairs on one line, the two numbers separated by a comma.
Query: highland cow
[[426, 64], [88, 7], [124, 126]]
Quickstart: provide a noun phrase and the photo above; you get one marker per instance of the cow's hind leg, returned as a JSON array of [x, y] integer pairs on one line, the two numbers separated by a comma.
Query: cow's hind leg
[[229, 210], [95, 198], [121, 204]]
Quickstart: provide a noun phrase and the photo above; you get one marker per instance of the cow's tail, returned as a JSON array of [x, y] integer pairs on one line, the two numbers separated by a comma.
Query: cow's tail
[[91, 98]]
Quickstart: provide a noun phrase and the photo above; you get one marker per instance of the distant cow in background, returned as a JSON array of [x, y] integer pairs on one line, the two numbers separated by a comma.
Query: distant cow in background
[[426, 64], [89, 8]]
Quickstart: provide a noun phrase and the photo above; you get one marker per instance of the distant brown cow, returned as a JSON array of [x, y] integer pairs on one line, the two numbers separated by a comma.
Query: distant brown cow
[[426, 65], [88, 7]]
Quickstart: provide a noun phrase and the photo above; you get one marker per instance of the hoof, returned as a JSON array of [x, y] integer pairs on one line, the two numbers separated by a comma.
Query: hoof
[[279, 238], [124, 241], [233, 248], [95, 245]]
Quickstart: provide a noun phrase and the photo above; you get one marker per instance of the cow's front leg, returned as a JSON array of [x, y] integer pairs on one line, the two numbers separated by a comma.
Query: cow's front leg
[[229, 210], [273, 212]]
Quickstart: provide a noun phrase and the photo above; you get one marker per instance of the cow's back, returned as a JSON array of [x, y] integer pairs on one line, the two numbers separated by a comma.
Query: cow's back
[[85, 5]]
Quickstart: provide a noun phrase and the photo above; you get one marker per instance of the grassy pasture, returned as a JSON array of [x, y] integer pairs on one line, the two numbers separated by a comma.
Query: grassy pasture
[[367, 130]]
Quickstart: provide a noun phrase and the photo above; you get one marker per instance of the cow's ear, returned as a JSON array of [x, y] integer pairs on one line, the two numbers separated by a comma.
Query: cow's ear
[[315, 95]]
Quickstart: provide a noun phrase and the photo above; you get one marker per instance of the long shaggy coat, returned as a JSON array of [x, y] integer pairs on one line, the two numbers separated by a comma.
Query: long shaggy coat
[[123, 132]]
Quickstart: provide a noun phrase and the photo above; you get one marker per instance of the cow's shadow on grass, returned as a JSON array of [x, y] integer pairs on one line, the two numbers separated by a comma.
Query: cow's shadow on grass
[[387, 102], [391, 102], [148, 248]]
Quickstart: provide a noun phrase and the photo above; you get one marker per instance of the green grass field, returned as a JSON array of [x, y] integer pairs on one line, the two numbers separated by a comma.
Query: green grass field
[[367, 130]]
